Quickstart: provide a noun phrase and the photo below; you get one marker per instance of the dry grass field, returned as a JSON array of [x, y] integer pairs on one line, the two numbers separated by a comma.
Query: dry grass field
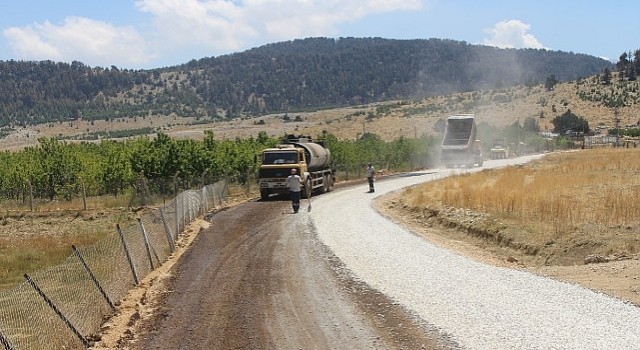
[[572, 215], [33, 240], [559, 209], [30, 241]]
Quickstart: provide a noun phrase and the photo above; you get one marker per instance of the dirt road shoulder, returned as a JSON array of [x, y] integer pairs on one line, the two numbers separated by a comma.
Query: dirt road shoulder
[[620, 279]]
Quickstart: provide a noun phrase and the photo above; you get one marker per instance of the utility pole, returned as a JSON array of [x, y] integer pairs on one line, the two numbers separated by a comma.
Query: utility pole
[[616, 116]]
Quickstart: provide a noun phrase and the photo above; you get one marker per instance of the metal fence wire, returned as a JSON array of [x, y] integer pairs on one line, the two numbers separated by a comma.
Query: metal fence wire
[[63, 307]]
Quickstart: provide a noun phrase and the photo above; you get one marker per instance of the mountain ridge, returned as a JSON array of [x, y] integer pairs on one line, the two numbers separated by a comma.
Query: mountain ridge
[[299, 75]]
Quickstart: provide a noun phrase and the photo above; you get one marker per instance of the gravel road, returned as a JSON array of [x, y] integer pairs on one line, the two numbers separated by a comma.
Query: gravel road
[[479, 306], [342, 276], [259, 278]]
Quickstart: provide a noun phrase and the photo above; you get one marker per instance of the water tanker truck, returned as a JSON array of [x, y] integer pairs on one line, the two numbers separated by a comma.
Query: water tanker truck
[[459, 146], [310, 158]]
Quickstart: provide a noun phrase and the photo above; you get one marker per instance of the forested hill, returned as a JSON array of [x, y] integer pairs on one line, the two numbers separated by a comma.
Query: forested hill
[[294, 75]]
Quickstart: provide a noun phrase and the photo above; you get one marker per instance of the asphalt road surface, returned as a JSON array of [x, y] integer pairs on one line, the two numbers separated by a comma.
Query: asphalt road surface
[[259, 278]]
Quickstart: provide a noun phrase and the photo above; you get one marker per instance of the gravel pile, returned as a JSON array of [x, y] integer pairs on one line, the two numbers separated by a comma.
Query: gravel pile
[[479, 306]]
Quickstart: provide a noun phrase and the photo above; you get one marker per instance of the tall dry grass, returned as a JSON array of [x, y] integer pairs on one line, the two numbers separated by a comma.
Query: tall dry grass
[[567, 194], [75, 204]]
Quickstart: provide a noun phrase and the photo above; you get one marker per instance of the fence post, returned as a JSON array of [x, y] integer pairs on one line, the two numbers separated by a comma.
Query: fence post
[[126, 251], [84, 194], [5, 342], [203, 192], [225, 191], [57, 311], [247, 189], [175, 183], [202, 180], [175, 207], [146, 243], [30, 196], [203, 199], [93, 277], [222, 190], [168, 232], [182, 211]]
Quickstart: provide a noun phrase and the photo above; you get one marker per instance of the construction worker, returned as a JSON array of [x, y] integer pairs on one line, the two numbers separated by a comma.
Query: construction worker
[[294, 183], [370, 172]]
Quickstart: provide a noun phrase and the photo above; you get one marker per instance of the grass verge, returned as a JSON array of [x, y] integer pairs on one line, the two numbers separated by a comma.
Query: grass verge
[[558, 210]]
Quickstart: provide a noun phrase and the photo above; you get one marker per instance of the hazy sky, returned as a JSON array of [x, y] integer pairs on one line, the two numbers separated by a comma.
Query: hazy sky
[[142, 34]]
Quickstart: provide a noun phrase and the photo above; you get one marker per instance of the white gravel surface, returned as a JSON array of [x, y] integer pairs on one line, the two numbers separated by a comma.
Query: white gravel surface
[[479, 306]]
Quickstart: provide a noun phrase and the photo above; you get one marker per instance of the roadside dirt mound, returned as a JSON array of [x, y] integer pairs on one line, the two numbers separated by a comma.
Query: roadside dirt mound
[[469, 234]]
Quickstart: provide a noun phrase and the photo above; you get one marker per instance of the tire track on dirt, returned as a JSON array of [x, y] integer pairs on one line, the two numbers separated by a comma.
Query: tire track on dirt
[[259, 278]]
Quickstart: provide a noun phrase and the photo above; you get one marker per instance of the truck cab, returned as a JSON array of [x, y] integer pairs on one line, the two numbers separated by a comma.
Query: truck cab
[[309, 158], [276, 166]]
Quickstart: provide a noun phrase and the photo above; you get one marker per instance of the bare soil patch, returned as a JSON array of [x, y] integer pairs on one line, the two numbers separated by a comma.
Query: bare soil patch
[[258, 279], [31, 241]]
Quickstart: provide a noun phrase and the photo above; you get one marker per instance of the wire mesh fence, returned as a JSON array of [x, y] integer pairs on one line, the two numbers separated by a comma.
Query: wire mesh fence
[[139, 192], [62, 307]]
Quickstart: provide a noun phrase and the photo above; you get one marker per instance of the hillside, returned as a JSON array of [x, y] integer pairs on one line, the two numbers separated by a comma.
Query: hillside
[[390, 120], [300, 75]]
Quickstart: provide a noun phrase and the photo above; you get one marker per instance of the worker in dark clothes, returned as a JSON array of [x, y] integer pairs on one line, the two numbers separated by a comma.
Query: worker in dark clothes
[[294, 183], [370, 172]]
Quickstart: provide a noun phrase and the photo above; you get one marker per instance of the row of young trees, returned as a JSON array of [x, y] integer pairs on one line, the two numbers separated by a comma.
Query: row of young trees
[[61, 170], [58, 170]]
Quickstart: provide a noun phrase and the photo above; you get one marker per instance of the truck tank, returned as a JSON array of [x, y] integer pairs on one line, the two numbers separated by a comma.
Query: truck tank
[[318, 157]]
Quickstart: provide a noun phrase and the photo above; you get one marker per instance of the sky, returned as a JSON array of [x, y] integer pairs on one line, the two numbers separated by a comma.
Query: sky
[[146, 34]]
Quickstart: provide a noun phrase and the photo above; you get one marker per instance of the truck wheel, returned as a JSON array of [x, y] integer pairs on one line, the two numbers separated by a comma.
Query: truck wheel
[[322, 189], [264, 194], [328, 183]]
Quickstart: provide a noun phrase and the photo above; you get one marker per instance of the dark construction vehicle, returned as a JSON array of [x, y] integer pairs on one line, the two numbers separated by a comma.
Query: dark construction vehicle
[[310, 158], [459, 145], [500, 150]]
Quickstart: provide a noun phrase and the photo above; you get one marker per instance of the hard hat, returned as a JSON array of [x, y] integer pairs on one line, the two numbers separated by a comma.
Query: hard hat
[[293, 171]]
